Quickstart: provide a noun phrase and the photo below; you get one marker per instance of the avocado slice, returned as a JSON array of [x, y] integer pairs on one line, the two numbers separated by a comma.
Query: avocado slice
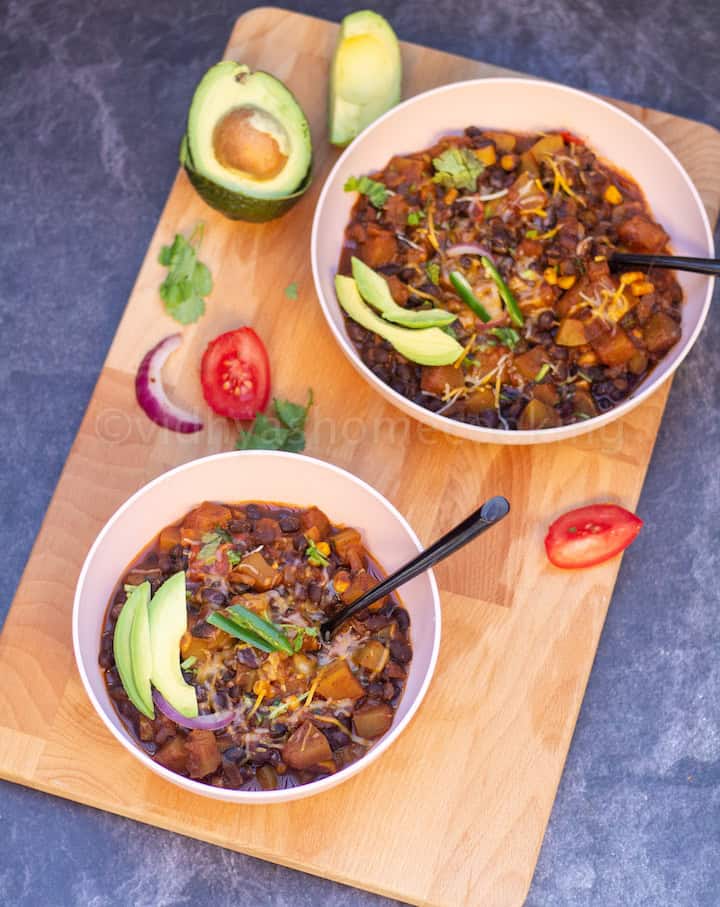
[[365, 75], [168, 622], [141, 653], [122, 647], [429, 346], [374, 290], [247, 149]]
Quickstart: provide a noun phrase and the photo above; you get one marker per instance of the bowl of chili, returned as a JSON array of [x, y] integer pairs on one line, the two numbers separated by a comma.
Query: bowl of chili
[[497, 203], [276, 713]]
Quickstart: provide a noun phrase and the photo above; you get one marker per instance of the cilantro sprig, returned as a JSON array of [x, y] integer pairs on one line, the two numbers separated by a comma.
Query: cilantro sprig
[[508, 337], [188, 280], [287, 433], [376, 192], [211, 542], [458, 168]]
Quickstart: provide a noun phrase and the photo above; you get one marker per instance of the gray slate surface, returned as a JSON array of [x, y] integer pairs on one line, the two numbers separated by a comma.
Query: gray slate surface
[[91, 102]]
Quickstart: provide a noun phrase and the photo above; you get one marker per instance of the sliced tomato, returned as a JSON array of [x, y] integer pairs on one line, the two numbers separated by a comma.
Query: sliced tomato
[[235, 374], [590, 535]]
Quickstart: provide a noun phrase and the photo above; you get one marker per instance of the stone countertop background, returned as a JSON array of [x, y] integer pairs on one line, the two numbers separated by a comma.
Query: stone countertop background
[[92, 94]]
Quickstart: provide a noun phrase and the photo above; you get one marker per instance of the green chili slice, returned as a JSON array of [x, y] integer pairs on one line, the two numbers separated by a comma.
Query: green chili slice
[[234, 629], [544, 369], [507, 295], [260, 627], [464, 291]]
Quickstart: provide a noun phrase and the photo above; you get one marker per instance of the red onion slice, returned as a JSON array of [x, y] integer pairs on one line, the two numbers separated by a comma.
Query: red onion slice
[[215, 722], [151, 394], [466, 248]]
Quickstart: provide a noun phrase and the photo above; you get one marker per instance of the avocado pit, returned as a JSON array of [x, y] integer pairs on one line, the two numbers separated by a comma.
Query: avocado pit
[[249, 140]]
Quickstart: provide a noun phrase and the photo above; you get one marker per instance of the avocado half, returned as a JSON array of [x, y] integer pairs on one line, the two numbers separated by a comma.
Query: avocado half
[[365, 75], [247, 149]]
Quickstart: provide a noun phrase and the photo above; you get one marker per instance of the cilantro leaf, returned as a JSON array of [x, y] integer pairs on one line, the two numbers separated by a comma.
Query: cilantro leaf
[[293, 415], [414, 218], [457, 167], [315, 556], [291, 290], [234, 557], [264, 434], [188, 280], [509, 337], [433, 272], [376, 192]]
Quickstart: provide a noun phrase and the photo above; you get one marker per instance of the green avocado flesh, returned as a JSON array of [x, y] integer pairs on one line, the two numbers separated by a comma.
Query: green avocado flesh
[[133, 665], [375, 291], [168, 622], [365, 75], [247, 149], [429, 346]]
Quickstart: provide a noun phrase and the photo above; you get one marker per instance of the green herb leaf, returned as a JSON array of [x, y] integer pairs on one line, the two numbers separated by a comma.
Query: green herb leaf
[[188, 280], [291, 290], [414, 218], [457, 167], [188, 663], [376, 192], [432, 269], [234, 557], [531, 234], [315, 557], [233, 629], [289, 435], [265, 629], [509, 337], [211, 543]]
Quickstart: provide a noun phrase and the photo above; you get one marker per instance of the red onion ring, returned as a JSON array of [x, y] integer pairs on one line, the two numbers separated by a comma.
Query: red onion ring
[[215, 722], [466, 248], [151, 394]]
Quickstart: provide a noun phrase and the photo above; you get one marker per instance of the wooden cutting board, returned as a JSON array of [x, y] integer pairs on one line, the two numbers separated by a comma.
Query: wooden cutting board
[[455, 813]]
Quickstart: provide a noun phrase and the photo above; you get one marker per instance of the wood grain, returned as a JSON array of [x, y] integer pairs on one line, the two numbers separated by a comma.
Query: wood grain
[[462, 824]]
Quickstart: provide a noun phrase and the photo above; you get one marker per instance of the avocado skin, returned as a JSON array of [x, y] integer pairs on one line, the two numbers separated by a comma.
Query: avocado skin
[[235, 205]]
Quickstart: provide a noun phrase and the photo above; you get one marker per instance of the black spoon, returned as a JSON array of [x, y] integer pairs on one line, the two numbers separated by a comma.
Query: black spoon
[[491, 512], [709, 266]]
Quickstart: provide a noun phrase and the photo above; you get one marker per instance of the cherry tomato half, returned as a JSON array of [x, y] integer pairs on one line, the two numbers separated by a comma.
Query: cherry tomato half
[[235, 374], [570, 138], [590, 535]]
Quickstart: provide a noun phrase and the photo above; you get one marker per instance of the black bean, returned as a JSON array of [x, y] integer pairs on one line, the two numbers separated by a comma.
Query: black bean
[[290, 523], [336, 738], [546, 321], [202, 630], [315, 591], [400, 651], [246, 657], [402, 618], [300, 542], [278, 730], [253, 512], [237, 527], [165, 563], [201, 694], [375, 688], [213, 597], [473, 132], [234, 753]]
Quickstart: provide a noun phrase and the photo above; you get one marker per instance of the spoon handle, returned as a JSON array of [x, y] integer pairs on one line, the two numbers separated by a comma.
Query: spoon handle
[[484, 518], [709, 266]]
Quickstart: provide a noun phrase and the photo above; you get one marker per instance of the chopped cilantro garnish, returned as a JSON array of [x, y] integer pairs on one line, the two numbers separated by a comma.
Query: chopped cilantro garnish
[[211, 543], [432, 269], [377, 193], [188, 279], [509, 337], [234, 557], [315, 556], [289, 434], [414, 218], [188, 663], [457, 167], [291, 290]]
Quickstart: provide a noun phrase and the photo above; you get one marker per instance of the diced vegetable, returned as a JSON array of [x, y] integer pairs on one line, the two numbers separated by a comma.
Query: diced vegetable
[[306, 747], [571, 333], [338, 682], [373, 656], [538, 415], [373, 721], [254, 570]]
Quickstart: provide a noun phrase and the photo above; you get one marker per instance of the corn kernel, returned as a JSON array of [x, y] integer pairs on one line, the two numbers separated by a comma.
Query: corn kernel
[[567, 281], [550, 275], [486, 155], [323, 548], [340, 585], [631, 277], [450, 196], [613, 195], [642, 288], [508, 161]]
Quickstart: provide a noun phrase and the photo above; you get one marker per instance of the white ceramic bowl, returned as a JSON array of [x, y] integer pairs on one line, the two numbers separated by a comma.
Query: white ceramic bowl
[[253, 476], [519, 105]]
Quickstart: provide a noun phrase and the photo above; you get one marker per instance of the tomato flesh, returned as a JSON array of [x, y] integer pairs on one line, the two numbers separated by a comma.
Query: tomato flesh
[[235, 374], [590, 535]]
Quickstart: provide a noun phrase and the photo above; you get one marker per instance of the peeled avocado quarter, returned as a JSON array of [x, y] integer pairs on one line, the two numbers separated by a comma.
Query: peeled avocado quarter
[[167, 615], [365, 75], [122, 647], [429, 346], [247, 149], [374, 290]]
